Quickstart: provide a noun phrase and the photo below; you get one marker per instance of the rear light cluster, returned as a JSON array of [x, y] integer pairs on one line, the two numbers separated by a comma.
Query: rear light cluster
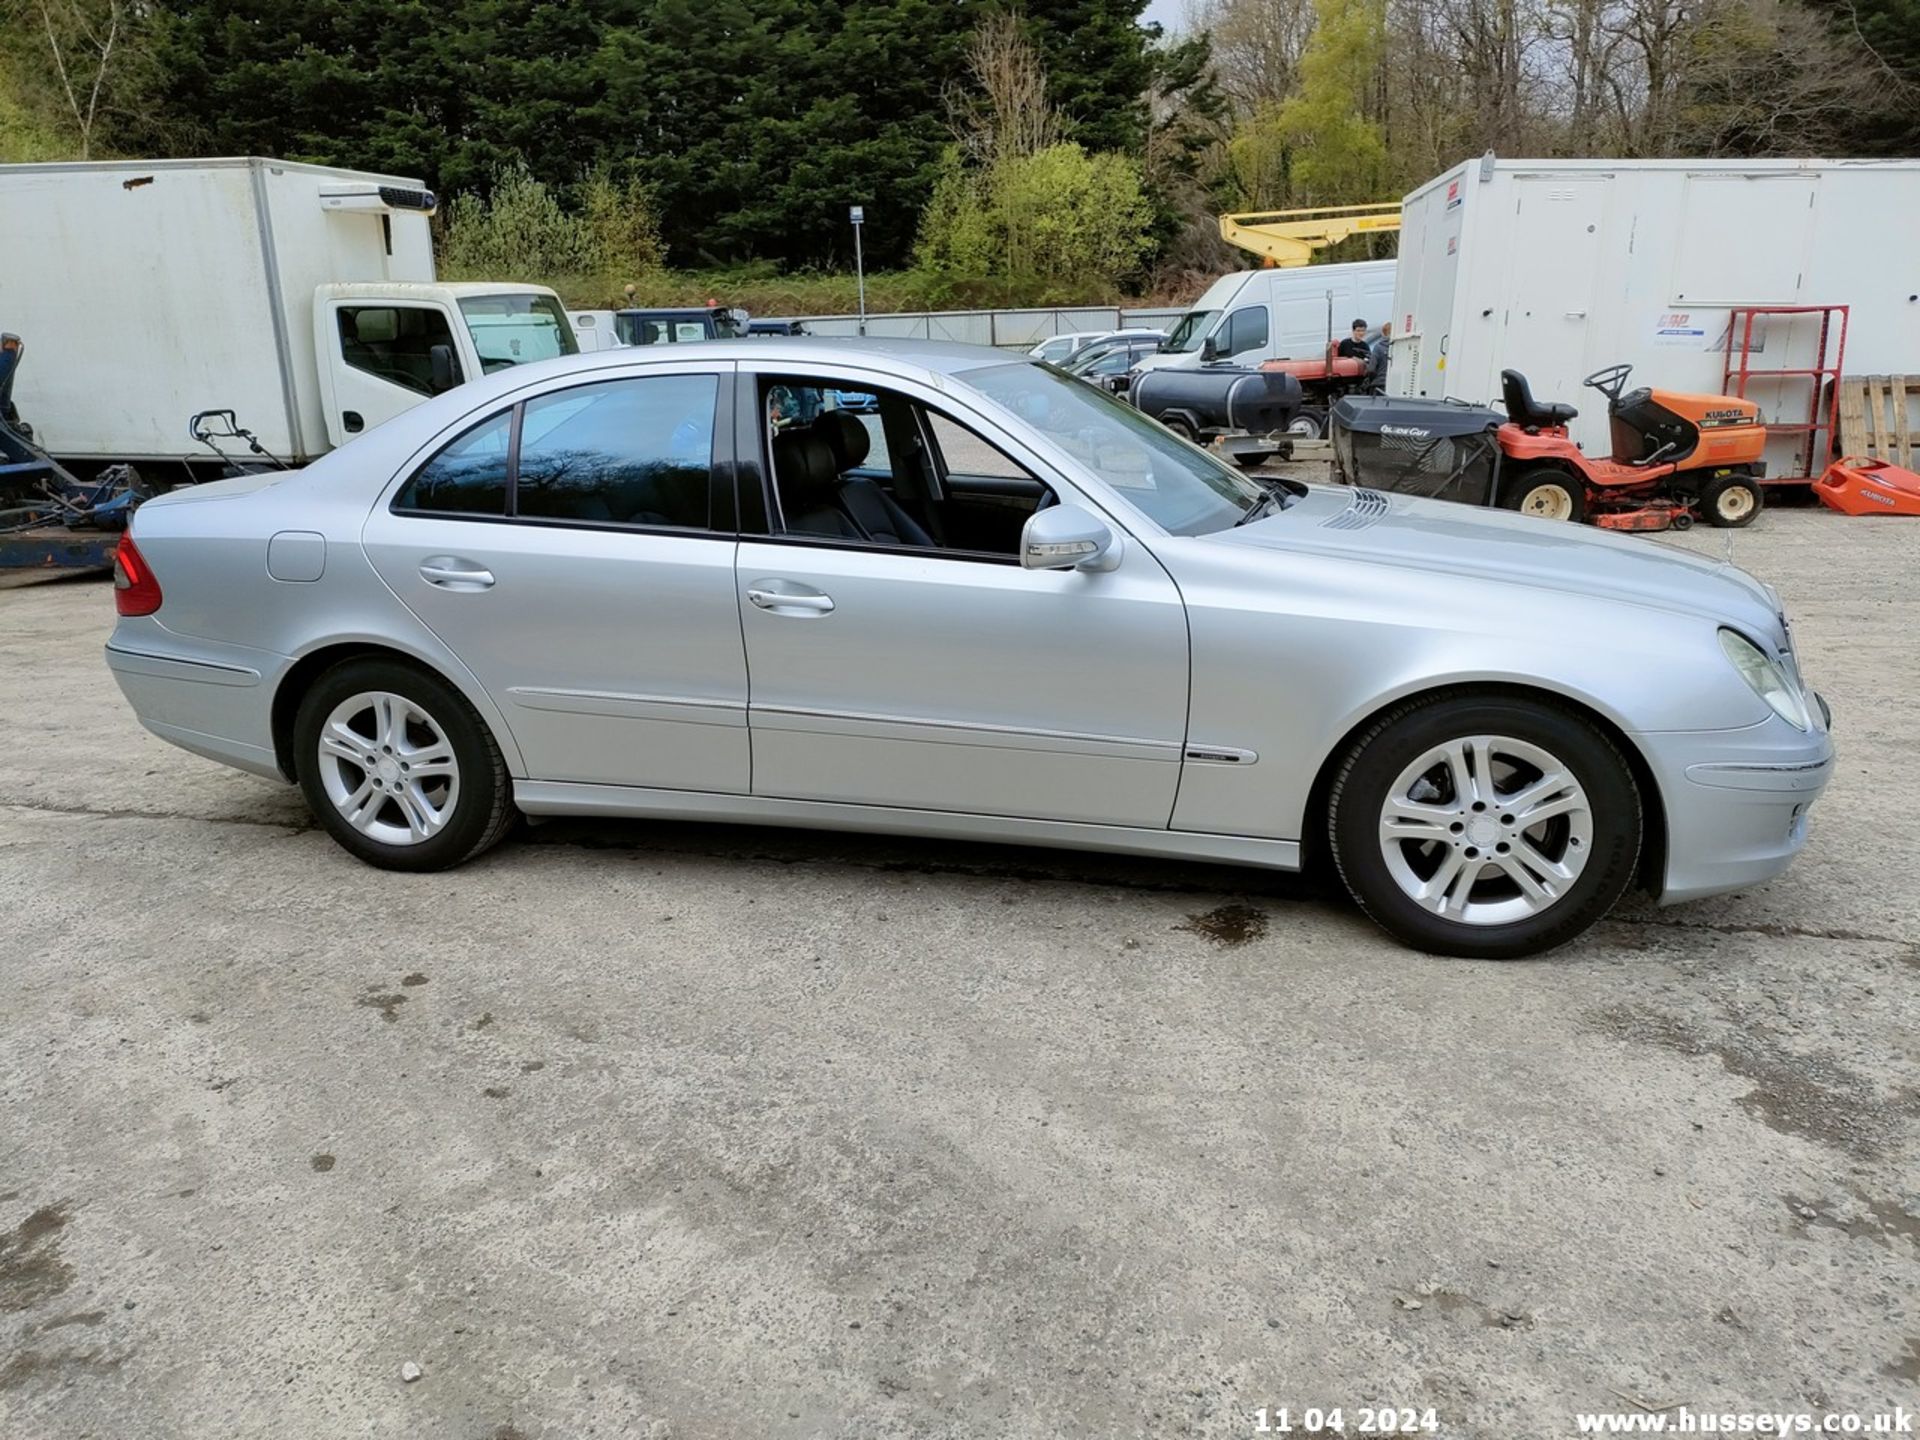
[[135, 591]]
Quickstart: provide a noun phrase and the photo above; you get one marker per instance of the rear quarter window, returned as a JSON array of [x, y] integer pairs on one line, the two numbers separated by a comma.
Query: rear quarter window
[[468, 477]]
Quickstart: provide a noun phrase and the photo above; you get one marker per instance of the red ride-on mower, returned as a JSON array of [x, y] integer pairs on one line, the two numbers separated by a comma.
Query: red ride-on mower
[[1673, 455]]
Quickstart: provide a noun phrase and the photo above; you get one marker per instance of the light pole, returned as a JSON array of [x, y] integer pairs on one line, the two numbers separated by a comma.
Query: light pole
[[857, 214]]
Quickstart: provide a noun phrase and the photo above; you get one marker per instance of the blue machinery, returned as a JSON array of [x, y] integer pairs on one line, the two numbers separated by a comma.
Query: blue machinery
[[50, 520]]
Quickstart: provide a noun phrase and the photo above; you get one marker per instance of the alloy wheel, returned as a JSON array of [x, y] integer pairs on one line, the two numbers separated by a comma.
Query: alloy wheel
[[1486, 830], [388, 768]]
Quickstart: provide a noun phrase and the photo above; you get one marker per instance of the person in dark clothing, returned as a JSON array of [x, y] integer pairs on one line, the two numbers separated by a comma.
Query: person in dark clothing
[[1354, 347], [1377, 360]]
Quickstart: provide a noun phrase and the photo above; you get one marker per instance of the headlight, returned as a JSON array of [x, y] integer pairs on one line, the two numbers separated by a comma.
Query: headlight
[[1768, 678]]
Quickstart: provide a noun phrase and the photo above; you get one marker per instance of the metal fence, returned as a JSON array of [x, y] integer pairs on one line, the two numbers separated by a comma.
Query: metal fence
[[1008, 329]]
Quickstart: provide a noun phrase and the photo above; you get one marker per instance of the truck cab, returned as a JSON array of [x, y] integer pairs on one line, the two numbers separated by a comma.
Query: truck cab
[[679, 325], [382, 348]]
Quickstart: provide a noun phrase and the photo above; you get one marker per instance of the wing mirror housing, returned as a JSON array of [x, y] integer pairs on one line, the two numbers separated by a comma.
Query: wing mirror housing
[[1065, 537], [1209, 352], [440, 358]]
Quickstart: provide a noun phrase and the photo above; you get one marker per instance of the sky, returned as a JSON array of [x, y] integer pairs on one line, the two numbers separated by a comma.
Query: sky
[[1172, 14]]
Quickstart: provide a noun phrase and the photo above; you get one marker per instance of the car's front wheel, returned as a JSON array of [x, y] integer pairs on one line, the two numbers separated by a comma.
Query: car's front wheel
[[398, 768], [1488, 827]]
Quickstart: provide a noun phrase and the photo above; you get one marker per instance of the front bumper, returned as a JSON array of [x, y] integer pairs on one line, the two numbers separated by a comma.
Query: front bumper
[[1737, 801]]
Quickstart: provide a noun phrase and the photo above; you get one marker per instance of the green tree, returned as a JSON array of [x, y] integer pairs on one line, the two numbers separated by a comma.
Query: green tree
[[1319, 146]]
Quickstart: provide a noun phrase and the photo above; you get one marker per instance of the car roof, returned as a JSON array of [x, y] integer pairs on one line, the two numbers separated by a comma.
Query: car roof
[[945, 357]]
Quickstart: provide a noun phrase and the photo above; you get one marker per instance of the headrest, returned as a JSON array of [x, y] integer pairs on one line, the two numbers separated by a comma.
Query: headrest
[[803, 466], [375, 327], [846, 435]]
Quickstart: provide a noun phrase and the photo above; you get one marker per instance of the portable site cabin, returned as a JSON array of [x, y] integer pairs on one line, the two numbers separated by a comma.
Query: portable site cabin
[[1556, 268]]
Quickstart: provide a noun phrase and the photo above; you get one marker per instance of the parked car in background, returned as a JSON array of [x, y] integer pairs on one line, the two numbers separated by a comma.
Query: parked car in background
[[1062, 348], [775, 327], [677, 326], [1003, 606], [1108, 362], [1058, 348]]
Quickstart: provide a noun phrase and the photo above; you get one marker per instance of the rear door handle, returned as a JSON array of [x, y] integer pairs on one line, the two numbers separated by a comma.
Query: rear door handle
[[451, 573], [811, 601]]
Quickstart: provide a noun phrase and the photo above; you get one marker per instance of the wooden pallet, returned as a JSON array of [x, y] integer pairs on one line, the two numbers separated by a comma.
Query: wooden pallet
[[1873, 417]]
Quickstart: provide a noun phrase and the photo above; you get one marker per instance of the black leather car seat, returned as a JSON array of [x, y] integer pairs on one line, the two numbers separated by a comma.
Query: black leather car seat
[[819, 500], [1523, 410], [914, 477]]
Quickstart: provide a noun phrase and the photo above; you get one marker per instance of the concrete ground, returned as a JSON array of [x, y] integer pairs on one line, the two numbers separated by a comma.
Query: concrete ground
[[657, 1130]]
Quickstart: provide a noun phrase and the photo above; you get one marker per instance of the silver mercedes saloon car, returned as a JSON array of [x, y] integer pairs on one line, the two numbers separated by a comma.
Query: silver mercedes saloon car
[[934, 590]]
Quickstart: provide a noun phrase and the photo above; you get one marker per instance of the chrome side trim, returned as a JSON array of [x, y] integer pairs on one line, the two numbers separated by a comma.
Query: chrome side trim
[[682, 709], [1789, 776], [554, 797], [1221, 755], [960, 732]]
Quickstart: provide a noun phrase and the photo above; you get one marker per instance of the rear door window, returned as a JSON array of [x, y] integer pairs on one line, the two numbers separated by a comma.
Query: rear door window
[[628, 452]]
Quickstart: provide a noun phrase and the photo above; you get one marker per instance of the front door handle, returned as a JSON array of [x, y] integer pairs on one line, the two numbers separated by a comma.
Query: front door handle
[[810, 601], [451, 573]]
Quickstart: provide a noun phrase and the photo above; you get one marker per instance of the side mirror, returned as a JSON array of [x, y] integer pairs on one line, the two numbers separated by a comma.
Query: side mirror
[[440, 357], [1209, 352], [1065, 537]]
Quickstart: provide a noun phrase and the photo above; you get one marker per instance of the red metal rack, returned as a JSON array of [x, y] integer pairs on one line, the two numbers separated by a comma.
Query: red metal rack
[[1823, 405]]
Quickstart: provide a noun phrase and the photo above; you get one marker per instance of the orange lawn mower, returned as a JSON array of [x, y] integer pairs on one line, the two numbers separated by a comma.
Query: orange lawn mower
[[1674, 456]]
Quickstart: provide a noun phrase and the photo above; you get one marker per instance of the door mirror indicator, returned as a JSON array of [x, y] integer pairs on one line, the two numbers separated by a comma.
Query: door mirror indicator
[[1065, 537]]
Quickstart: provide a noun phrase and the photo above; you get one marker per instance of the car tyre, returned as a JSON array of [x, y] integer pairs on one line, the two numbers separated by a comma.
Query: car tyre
[[1428, 824], [1545, 492], [1730, 502], [399, 768]]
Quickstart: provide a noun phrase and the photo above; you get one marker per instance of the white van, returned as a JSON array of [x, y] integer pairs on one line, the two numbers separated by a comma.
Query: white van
[[1293, 314]]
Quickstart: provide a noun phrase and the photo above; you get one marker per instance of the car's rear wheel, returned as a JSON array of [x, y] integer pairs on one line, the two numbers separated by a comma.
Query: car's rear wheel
[[1488, 827], [1546, 493], [398, 768]]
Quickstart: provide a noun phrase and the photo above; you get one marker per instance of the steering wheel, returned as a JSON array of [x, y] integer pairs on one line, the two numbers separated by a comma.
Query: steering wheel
[[1610, 381]]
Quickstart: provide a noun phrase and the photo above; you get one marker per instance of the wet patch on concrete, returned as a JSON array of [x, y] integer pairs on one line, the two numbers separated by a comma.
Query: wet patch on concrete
[[1232, 924], [1808, 1096], [528, 1067], [84, 1317], [27, 1366], [1881, 1221], [496, 1092], [387, 1005], [31, 1268], [321, 1164], [416, 978]]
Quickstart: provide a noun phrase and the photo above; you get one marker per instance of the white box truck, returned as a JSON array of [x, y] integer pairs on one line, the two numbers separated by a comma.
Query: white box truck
[[1253, 316], [300, 297], [1556, 268]]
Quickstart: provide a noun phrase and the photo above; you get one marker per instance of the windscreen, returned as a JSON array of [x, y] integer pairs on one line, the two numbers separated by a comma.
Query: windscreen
[[1183, 488], [517, 329], [1191, 330]]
